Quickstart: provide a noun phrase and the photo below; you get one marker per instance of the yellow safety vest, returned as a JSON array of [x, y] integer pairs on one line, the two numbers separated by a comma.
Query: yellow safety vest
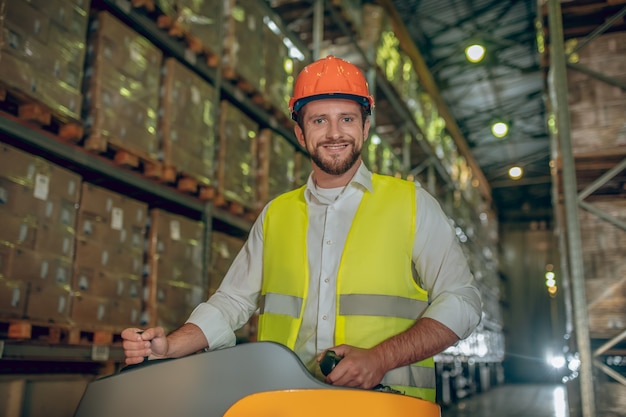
[[377, 296]]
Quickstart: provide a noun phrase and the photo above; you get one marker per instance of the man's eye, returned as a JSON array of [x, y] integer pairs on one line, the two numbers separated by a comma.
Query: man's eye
[[348, 119], [317, 121]]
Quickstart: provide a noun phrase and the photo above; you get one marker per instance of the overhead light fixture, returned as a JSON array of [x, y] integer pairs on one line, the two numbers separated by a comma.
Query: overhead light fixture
[[516, 172], [475, 53], [500, 129]]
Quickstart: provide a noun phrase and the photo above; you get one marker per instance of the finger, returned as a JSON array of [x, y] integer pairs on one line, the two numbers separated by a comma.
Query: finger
[[131, 334], [133, 360]]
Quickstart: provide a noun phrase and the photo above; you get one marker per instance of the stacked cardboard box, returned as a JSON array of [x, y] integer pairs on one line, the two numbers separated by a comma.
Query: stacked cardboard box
[[243, 42], [605, 268], [186, 122], [596, 107], [122, 84], [175, 282], [109, 259], [275, 167], [224, 249], [280, 70], [42, 51], [38, 203], [196, 21], [237, 159]]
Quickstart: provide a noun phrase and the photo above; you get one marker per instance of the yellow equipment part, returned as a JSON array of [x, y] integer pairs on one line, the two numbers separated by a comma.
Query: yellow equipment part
[[331, 403]]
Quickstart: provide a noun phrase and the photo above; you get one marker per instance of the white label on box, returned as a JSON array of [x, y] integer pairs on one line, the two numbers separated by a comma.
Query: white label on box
[[101, 312], [62, 302], [15, 300], [30, 172], [44, 270], [117, 218], [49, 209], [71, 188], [175, 230], [195, 95], [134, 52], [42, 187], [190, 56]]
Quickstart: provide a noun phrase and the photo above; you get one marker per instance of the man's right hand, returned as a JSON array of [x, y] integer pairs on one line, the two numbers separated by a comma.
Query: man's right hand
[[140, 344]]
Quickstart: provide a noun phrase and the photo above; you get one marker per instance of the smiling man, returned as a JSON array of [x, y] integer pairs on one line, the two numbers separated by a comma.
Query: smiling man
[[363, 264]]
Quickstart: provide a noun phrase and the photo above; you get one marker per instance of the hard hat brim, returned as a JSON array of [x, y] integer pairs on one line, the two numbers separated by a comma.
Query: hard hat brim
[[363, 101]]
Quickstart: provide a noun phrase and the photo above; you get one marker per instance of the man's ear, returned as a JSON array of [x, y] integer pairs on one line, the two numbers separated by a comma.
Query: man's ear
[[366, 129], [299, 135]]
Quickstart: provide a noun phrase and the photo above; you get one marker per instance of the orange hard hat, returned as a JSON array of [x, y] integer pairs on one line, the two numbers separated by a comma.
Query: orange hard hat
[[330, 77]]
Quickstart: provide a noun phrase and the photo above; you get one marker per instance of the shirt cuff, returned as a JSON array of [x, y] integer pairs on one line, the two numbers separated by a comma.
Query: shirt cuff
[[216, 330]]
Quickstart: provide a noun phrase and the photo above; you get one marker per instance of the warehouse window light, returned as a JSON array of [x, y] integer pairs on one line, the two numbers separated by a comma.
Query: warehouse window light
[[475, 53], [376, 140]]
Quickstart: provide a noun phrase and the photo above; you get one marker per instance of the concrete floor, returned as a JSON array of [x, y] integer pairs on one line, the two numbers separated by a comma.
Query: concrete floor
[[513, 401]]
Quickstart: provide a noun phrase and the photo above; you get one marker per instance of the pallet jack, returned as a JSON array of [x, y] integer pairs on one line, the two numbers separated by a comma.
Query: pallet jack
[[261, 379]]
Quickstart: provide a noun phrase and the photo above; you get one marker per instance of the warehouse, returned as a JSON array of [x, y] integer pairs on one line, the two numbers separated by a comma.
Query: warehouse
[[141, 139]]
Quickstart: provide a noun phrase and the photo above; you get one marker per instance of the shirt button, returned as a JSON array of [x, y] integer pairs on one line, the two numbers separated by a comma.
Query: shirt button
[[329, 242], [327, 280], [324, 317]]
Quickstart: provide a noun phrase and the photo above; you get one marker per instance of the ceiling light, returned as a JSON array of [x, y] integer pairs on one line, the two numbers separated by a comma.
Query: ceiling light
[[475, 53], [499, 129], [515, 173]]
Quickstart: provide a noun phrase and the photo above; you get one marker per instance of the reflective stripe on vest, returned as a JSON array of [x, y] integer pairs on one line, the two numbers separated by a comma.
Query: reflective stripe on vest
[[377, 296]]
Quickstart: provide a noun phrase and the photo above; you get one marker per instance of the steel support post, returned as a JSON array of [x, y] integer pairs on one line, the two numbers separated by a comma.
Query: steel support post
[[558, 69]]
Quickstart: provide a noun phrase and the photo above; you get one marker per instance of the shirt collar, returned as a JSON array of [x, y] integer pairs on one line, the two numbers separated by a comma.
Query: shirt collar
[[362, 179]]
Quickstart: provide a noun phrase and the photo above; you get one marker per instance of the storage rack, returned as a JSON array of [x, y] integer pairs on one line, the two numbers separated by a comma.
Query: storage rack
[[582, 179]]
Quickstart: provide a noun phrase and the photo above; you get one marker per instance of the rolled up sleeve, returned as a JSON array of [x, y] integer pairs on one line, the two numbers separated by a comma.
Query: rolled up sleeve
[[443, 270]]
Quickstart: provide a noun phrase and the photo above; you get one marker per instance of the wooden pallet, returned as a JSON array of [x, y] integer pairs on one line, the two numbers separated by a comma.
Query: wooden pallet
[[58, 333], [235, 208], [124, 156], [146, 4], [30, 110]]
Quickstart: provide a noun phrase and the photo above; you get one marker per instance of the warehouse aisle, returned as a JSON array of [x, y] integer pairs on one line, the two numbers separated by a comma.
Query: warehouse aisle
[[523, 400]]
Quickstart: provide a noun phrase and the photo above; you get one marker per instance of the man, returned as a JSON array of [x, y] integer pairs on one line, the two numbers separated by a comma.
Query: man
[[363, 264]]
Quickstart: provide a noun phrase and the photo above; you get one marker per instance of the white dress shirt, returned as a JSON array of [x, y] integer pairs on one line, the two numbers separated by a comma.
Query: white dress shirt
[[439, 266]]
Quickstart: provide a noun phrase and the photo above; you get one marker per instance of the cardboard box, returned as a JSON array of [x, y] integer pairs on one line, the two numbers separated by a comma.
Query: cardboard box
[[12, 298], [49, 303], [18, 231], [90, 310], [102, 283], [112, 259], [125, 313], [116, 210], [237, 157], [40, 268], [186, 122], [34, 22]]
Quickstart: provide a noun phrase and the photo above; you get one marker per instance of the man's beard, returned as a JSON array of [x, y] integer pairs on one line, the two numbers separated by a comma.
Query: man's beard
[[336, 166]]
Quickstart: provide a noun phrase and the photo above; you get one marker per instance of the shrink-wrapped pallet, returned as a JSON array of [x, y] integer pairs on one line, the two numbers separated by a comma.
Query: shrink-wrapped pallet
[[38, 201], [42, 51], [122, 84], [175, 283], [109, 259], [275, 167], [186, 124], [597, 108], [237, 159]]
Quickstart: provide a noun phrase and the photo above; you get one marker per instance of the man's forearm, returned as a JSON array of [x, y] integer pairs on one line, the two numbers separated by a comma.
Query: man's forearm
[[186, 340], [426, 338]]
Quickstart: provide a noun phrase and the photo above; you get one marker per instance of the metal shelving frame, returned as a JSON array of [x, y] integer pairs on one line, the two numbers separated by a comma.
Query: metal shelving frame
[[573, 200]]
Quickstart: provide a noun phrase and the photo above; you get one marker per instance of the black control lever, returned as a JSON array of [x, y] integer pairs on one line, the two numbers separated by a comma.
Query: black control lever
[[331, 359]]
